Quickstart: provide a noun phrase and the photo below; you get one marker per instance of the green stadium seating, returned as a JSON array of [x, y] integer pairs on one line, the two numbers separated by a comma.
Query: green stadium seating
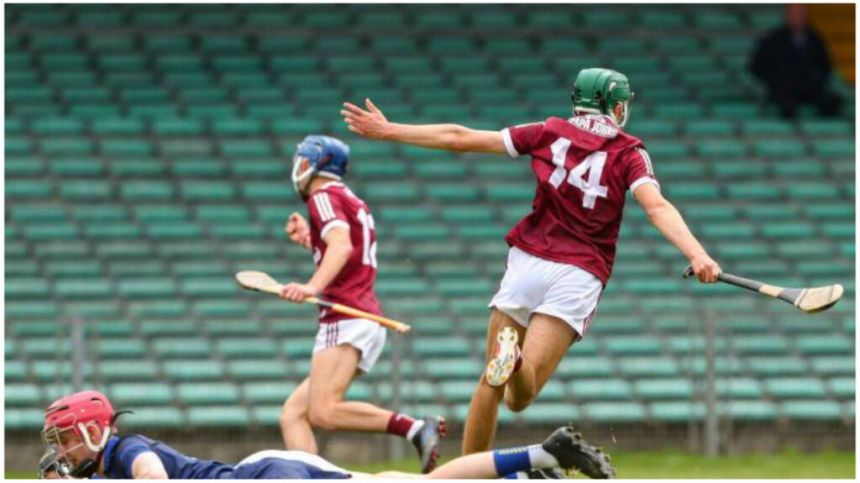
[[143, 170]]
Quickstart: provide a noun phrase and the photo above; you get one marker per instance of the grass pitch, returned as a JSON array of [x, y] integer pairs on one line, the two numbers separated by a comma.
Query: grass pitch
[[674, 465]]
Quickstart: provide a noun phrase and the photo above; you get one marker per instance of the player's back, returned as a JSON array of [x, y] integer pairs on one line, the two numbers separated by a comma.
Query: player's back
[[584, 166], [121, 452], [335, 205]]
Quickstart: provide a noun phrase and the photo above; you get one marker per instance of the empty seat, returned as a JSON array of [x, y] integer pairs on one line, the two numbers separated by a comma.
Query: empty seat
[[811, 410], [614, 411], [144, 394], [809, 388]]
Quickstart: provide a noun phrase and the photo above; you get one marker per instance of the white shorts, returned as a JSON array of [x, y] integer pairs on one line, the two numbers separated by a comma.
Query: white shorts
[[366, 336], [297, 456], [534, 285]]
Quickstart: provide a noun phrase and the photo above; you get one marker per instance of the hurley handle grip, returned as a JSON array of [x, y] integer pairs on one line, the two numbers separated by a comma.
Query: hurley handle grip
[[746, 283]]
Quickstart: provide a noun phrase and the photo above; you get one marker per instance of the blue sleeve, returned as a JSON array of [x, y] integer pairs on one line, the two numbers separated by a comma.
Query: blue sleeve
[[129, 449]]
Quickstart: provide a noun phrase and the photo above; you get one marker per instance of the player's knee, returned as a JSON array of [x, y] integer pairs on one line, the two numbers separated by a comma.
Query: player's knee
[[517, 404], [288, 416], [322, 417], [293, 410]]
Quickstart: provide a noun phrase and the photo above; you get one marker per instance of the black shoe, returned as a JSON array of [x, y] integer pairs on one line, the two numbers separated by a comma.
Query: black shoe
[[426, 441], [573, 452], [545, 474]]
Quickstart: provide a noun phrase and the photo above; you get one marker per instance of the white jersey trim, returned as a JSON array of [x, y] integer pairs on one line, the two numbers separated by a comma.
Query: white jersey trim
[[643, 180], [324, 207], [332, 224], [509, 143]]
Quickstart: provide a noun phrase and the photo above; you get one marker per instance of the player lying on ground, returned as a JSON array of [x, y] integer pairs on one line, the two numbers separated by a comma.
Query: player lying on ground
[[341, 236], [80, 430], [561, 253]]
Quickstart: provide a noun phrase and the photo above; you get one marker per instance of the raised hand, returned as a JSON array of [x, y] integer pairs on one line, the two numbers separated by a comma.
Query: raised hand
[[370, 123]]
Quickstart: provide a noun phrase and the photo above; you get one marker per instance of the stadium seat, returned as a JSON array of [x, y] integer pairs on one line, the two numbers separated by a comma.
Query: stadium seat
[[614, 411], [739, 388], [218, 416], [751, 410], [125, 371], [811, 410], [600, 389], [193, 370], [144, 394], [795, 388], [29, 419]]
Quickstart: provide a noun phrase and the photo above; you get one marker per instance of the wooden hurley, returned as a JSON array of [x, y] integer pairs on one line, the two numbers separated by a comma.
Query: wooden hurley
[[262, 282]]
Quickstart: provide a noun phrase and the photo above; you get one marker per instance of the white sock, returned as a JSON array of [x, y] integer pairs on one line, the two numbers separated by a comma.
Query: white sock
[[413, 430], [539, 458]]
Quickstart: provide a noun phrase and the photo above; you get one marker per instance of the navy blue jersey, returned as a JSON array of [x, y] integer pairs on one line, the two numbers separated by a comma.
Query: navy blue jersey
[[121, 452]]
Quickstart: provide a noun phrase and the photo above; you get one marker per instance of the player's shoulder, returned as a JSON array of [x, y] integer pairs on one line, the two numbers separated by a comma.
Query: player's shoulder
[[342, 192], [133, 438], [334, 195]]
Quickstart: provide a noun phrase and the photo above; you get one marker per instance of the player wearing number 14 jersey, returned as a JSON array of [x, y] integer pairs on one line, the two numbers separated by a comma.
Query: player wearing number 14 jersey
[[341, 236], [562, 252]]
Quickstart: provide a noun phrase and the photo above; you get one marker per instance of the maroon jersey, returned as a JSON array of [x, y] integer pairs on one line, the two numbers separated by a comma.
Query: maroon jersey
[[584, 167], [334, 205]]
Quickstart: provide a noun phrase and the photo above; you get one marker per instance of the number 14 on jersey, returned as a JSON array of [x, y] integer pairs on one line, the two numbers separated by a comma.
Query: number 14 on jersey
[[593, 164]]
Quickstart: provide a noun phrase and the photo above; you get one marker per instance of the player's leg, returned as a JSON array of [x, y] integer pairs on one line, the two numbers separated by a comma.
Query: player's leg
[[480, 428], [295, 420], [564, 314], [332, 370], [546, 343], [520, 291], [359, 343], [563, 448]]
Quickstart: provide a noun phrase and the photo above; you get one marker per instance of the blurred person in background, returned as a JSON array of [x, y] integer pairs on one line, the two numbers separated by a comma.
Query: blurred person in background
[[793, 64]]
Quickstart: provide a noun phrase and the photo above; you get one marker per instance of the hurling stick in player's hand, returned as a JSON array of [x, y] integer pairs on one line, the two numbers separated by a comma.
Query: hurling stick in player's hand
[[262, 282], [809, 300]]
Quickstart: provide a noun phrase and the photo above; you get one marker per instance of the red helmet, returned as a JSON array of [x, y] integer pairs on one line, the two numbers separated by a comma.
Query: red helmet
[[81, 407], [75, 413]]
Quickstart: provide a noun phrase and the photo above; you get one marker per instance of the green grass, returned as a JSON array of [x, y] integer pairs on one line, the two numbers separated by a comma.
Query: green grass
[[789, 464]]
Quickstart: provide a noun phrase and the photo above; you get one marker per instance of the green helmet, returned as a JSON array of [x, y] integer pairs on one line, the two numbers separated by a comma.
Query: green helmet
[[597, 91]]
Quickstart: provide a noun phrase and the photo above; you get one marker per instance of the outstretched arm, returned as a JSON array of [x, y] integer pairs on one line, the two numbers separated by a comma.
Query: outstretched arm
[[372, 124], [666, 218]]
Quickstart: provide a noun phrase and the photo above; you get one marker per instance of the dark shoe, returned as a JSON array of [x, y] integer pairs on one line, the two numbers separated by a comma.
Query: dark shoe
[[573, 452], [426, 441]]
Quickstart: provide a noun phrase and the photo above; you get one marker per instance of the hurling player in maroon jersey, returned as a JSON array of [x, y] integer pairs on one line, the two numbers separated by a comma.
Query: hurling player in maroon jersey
[[340, 234], [561, 253]]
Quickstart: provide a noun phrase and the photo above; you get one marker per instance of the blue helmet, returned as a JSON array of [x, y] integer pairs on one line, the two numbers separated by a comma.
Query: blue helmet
[[326, 156]]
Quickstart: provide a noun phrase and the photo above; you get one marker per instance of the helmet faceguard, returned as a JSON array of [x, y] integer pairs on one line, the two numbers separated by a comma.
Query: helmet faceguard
[[599, 91], [302, 179], [49, 463]]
